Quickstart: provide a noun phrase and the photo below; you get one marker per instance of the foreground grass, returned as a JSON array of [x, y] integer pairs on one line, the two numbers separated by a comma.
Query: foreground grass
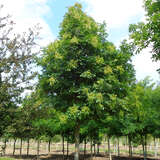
[[7, 158]]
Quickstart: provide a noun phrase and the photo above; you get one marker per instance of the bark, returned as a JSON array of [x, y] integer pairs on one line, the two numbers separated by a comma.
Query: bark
[[94, 148], [143, 140], [5, 145], [118, 148], [130, 146], [14, 146], [85, 147], [63, 146], [67, 148], [77, 130], [28, 146], [21, 146], [155, 148], [97, 148], [49, 146], [38, 144], [91, 149], [109, 149], [145, 147]]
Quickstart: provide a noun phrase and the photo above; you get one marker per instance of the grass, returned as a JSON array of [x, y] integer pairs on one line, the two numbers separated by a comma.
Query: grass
[[7, 158]]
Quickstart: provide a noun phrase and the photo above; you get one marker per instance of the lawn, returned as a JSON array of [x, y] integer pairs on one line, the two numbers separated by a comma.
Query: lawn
[[7, 158]]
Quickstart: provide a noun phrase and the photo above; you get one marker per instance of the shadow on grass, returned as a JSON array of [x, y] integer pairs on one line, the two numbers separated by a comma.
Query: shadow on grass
[[130, 158], [50, 157], [71, 157]]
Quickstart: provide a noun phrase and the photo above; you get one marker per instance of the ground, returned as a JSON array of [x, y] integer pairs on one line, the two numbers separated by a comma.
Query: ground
[[56, 152], [71, 157]]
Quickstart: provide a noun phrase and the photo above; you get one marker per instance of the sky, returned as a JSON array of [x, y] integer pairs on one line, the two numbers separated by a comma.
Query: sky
[[117, 14]]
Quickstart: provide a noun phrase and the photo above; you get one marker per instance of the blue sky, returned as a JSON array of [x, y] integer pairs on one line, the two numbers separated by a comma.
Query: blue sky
[[59, 7], [118, 14]]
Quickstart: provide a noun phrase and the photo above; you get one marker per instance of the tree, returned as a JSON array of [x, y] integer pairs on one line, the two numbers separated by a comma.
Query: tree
[[155, 112], [137, 120], [16, 62], [147, 33], [84, 75], [155, 116]]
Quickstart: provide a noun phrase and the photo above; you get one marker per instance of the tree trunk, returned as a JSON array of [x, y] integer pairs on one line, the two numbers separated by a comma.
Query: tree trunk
[[63, 146], [118, 148], [91, 144], [84, 148], [109, 149], [155, 147], [5, 145], [98, 148], [130, 146], [14, 146], [28, 146], [38, 144], [49, 146], [77, 130], [143, 139], [94, 149], [145, 147], [21, 147], [67, 148]]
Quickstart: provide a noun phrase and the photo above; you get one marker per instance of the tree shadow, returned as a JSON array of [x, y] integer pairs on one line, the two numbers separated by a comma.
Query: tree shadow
[[54, 157], [130, 158], [71, 157]]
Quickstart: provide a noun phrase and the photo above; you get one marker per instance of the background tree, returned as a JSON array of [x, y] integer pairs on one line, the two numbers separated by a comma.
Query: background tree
[[147, 33], [138, 118], [16, 62]]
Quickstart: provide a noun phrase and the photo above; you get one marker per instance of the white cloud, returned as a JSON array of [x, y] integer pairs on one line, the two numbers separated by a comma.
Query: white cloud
[[116, 13], [144, 66], [28, 13]]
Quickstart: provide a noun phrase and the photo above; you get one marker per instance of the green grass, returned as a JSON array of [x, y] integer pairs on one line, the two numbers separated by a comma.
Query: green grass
[[7, 158]]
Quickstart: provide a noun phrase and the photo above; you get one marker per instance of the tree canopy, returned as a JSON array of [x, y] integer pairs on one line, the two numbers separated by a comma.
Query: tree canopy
[[147, 33]]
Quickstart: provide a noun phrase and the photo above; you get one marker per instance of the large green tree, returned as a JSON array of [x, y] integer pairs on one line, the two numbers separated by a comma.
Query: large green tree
[[84, 75]]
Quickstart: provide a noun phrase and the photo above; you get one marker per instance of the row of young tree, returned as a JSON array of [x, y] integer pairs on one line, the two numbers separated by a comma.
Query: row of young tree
[[86, 87], [138, 121]]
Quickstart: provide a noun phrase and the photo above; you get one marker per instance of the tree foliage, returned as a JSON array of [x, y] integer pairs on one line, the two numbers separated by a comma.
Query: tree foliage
[[147, 33], [16, 62]]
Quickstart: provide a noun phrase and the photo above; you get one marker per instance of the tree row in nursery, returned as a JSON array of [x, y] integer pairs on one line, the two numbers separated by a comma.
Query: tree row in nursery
[[138, 123], [86, 88]]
